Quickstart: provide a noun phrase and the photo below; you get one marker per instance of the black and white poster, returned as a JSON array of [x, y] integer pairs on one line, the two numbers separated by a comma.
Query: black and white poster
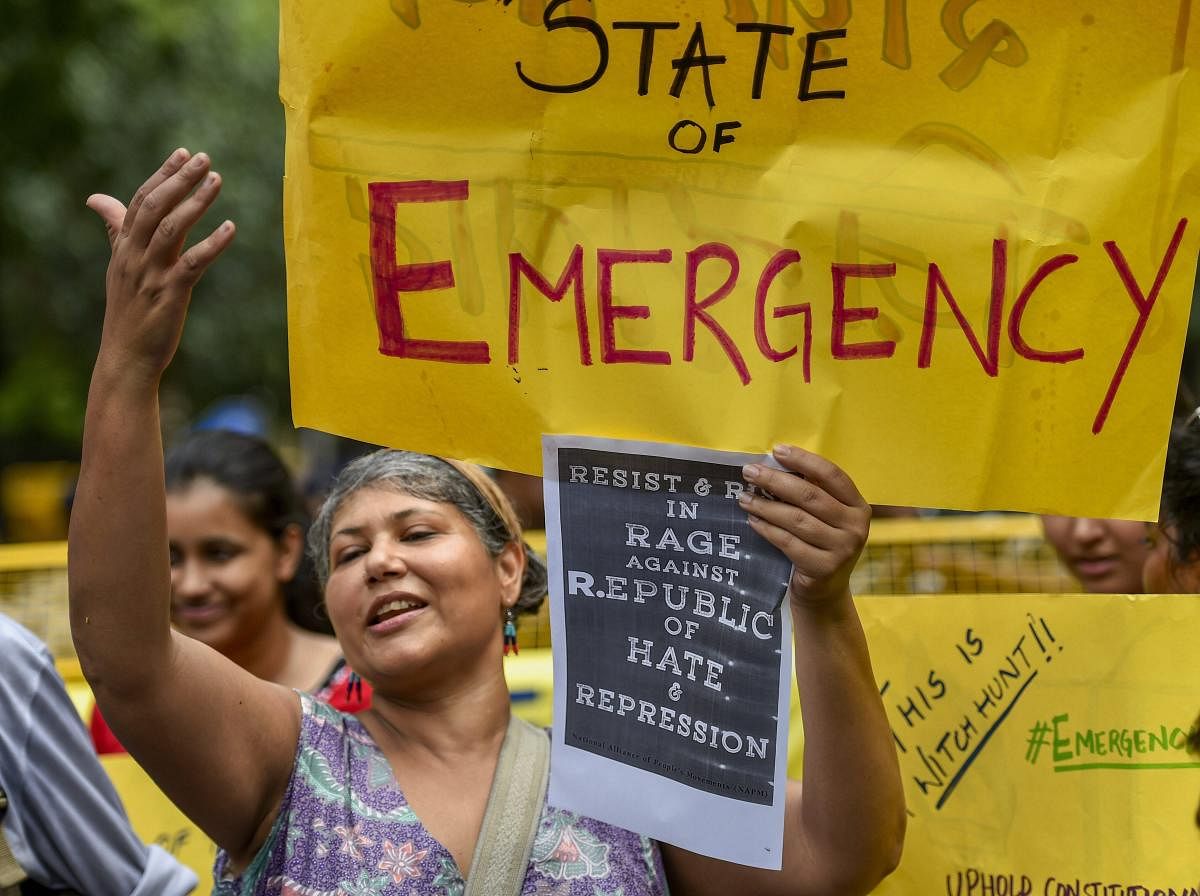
[[672, 647]]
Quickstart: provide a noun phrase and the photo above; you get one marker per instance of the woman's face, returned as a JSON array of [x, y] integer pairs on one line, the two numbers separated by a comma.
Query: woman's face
[[1106, 556], [413, 594], [227, 574]]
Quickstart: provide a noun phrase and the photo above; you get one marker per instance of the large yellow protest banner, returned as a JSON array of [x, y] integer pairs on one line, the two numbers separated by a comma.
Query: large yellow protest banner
[[949, 245]]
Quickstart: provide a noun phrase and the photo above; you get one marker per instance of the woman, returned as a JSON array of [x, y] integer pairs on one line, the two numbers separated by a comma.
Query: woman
[[1173, 563], [1105, 556], [235, 532], [416, 592]]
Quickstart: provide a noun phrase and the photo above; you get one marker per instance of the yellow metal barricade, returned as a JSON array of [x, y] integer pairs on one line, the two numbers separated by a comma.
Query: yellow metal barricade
[[960, 554], [33, 591]]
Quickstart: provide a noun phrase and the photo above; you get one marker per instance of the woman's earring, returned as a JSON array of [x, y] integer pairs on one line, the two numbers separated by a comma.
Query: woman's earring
[[354, 687], [510, 631]]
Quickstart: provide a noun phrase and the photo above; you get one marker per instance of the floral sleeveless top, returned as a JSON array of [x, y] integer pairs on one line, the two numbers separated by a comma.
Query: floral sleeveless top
[[345, 829]]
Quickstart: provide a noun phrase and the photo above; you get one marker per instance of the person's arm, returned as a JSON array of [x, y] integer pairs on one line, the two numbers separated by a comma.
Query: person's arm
[[218, 741], [65, 823], [844, 827]]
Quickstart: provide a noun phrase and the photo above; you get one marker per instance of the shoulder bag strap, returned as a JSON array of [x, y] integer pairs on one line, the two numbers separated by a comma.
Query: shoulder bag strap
[[514, 809], [11, 874]]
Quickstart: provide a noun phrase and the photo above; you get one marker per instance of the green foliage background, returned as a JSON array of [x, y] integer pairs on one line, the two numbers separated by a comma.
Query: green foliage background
[[94, 94]]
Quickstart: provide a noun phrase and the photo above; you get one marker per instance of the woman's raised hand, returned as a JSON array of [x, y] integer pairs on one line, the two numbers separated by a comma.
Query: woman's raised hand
[[150, 276], [817, 518]]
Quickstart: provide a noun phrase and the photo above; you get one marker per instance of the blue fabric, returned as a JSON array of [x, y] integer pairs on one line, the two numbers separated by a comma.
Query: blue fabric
[[65, 823]]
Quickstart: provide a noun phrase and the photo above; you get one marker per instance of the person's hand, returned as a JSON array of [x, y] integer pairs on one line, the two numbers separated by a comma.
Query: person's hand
[[817, 518], [150, 277]]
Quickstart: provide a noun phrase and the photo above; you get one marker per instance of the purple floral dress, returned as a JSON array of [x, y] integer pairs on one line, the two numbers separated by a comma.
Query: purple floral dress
[[345, 829]]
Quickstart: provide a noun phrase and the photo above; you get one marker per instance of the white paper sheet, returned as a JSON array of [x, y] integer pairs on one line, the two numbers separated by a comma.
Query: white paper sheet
[[671, 651]]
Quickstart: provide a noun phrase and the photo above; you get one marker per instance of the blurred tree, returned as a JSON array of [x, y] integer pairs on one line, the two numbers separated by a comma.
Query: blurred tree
[[95, 94]]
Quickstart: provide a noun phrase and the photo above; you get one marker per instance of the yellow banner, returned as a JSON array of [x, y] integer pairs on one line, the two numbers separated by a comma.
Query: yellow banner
[[1042, 742], [157, 820], [950, 246]]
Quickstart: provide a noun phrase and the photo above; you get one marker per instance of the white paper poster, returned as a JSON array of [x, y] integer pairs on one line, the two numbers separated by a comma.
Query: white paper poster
[[671, 651]]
